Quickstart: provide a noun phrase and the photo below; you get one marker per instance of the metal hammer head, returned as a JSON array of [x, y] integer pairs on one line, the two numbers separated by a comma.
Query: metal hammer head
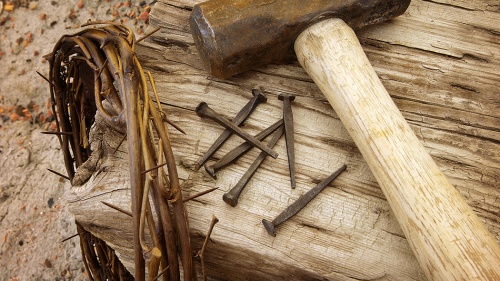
[[233, 36]]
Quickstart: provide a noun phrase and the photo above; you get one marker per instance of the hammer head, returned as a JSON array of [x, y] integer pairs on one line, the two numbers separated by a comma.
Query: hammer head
[[233, 36]]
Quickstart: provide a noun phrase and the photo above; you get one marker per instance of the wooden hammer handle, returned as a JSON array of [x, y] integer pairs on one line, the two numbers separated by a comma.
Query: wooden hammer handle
[[446, 236]]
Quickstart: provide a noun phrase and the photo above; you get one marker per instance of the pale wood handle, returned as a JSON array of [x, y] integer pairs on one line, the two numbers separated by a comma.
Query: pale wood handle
[[446, 236]]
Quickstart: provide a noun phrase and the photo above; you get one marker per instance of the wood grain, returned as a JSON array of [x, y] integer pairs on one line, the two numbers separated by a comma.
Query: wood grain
[[440, 62], [445, 234]]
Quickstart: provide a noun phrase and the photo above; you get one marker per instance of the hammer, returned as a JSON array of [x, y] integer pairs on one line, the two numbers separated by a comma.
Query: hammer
[[233, 36]]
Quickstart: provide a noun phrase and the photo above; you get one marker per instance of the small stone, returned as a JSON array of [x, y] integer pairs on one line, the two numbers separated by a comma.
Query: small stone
[[48, 264], [50, 202], [14, 117], [8, 7], [72, 14], [43, 16], [144, 16], [32, 5]]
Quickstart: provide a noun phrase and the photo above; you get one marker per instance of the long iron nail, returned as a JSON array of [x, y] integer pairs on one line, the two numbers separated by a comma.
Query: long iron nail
[[204, 110], [238, 151], [258, 97], [288, 119], [300, 203], [231, 197]]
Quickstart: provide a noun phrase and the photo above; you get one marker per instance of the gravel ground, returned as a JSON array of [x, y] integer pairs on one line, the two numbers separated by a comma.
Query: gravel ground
[[33, 218]]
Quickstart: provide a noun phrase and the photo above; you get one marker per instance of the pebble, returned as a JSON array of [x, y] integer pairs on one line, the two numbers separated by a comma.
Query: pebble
[[48, 264], [8, 7]]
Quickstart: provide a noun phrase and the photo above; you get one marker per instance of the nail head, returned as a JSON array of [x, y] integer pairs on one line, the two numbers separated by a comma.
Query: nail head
[[229, 200], [269, 227], [261, 96], [201, 107], [211, 171], [283, 96]]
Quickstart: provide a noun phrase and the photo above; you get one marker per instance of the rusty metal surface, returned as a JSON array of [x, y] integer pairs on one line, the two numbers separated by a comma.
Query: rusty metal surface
[[235, 36]]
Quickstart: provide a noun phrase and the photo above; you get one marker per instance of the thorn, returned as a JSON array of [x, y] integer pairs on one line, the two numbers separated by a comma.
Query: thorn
[[162, 114], [161, 273], [201, 254], [66, 239], [57, 133], [173, 125], [59, 174], [46, 79], [148, 34], [154, 168], [117, 208], [199, 194], [118, 146], [101, 69]]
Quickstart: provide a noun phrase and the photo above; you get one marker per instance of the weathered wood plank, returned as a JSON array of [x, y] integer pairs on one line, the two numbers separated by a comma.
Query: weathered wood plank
[[440, 62]]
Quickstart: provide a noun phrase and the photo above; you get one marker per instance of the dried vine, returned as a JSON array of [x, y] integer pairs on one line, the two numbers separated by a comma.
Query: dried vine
[[97, 71]]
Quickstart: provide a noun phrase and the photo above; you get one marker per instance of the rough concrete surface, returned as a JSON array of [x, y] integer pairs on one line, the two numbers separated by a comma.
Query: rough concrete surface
[[33, 216]]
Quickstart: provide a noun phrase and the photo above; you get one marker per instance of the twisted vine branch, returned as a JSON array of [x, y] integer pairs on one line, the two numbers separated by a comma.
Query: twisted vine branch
[[96, 70]]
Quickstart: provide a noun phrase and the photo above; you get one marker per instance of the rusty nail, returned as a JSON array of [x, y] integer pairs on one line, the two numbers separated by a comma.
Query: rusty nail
[[258, 97], [231, 197], [300, 203], [288, 120], [204, 110], [238, 151]]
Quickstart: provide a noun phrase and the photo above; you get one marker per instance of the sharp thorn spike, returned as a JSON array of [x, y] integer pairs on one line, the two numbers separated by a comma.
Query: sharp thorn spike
[[148, 34], [117, 208], [199, 194], [59, 174], [154, 168]]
